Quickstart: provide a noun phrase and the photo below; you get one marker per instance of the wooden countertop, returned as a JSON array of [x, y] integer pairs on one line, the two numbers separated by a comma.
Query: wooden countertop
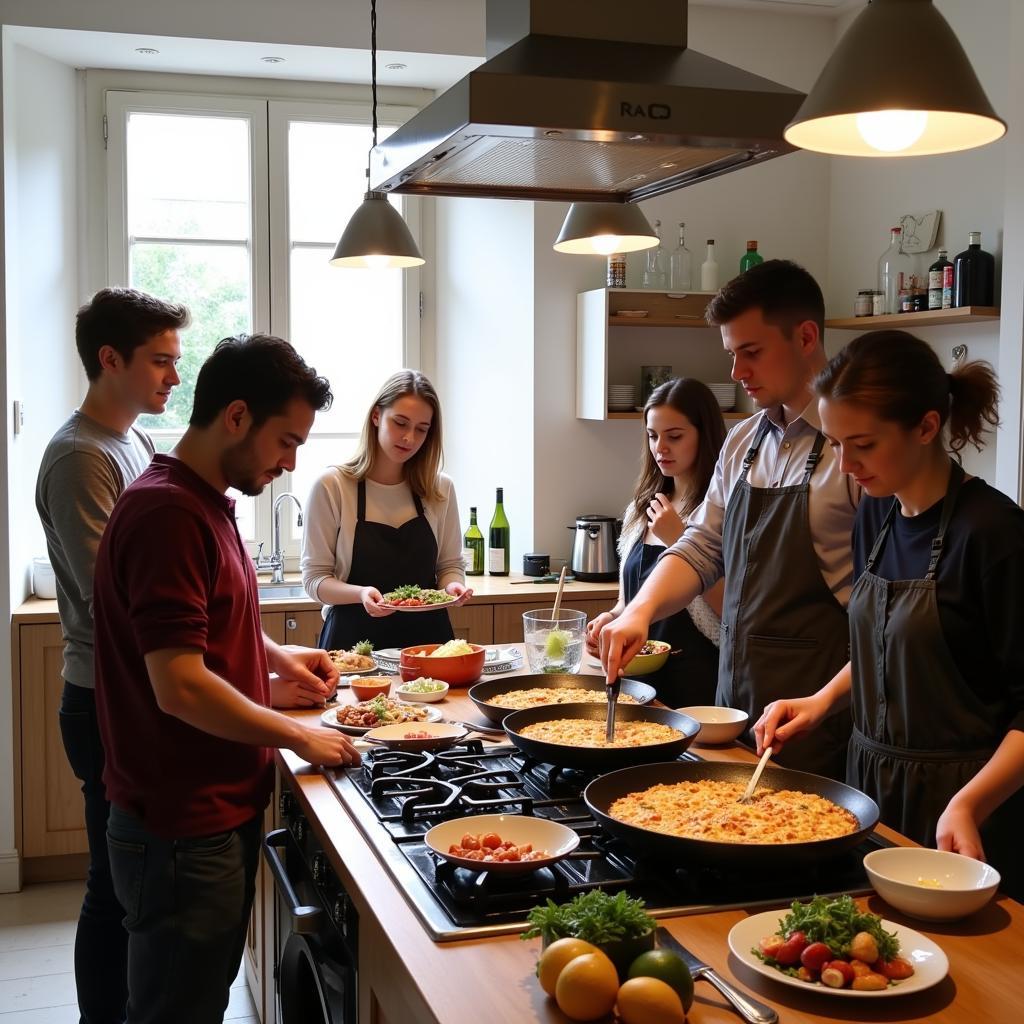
[[493, 979], [486, 590]]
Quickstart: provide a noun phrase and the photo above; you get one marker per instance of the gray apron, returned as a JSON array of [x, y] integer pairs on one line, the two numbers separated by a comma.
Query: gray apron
[[784, 634], [920, 732]]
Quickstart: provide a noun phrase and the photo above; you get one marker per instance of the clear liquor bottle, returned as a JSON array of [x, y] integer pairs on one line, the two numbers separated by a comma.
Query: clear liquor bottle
[[656, 268], [680, 264], [895, 269]]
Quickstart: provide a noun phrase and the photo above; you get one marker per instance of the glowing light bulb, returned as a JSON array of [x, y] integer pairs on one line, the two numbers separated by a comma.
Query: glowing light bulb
[[377, 262], [605, 245], [892, 131]]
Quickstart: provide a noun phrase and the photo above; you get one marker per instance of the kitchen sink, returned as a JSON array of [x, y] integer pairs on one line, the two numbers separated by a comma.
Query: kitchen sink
[[280, 591]]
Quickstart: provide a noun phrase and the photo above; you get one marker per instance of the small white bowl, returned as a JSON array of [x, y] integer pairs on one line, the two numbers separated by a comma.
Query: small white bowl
[[959, 885], [431, 697], [717, 725]]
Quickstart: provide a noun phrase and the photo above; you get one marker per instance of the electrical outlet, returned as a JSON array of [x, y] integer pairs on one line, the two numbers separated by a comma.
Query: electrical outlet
[[19, 416]]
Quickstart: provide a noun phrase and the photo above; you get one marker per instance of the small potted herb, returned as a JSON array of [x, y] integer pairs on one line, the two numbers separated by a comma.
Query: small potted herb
[[618, 925]]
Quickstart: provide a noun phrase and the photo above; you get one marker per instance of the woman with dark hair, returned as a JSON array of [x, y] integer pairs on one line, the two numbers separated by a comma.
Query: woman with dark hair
[[385, 518], [685, 432], [936, 676]]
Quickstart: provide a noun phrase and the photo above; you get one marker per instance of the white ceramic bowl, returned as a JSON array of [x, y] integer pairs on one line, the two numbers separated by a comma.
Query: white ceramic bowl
[[431, 697], [717, 725], [552, 837], [933, 885]]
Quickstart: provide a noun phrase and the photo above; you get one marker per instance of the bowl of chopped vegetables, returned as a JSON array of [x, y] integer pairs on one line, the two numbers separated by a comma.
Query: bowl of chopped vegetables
[[649, 658], [456, 662], [934, 885], [423, 690]]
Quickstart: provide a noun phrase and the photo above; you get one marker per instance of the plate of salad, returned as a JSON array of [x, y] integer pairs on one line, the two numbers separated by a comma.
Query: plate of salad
[[412, 598], [831, 945]]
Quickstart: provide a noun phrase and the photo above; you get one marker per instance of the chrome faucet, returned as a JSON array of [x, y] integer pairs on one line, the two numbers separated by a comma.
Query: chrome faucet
[[276, 561]]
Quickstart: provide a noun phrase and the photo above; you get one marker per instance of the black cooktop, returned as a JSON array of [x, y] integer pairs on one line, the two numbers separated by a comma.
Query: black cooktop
[[397, 797]]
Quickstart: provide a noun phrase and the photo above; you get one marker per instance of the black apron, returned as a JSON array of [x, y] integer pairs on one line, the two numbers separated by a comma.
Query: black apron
[[386, 557], [691, 676], [784, 634], [920, 733]]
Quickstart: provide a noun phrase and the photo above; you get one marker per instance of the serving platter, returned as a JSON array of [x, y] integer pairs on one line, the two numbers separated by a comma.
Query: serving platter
[[931, 964], [330, 719]]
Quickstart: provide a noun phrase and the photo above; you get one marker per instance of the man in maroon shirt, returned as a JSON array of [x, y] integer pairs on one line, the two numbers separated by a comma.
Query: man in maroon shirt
[[182, 687]]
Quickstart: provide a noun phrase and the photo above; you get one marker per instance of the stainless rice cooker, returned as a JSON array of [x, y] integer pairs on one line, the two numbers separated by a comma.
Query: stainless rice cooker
[[594, 555]]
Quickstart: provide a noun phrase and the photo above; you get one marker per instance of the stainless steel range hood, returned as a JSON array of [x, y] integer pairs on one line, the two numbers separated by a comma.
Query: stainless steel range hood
[[586, 100]]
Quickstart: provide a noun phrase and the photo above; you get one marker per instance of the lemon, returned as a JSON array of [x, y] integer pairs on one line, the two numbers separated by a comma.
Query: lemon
[[668, 967], [649, 1001], [556, 956], [557, 642], [587, 987]]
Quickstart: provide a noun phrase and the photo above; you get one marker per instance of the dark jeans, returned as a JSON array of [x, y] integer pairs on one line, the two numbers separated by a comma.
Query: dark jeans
[[187, 904], [101, 943]]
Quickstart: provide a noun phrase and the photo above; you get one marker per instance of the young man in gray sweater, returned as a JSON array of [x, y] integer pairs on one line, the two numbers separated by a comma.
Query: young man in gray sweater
[[129, 344]]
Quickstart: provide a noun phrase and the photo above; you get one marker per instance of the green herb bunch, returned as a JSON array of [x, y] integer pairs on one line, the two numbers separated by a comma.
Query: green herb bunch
[[594, 917], [835, 922]]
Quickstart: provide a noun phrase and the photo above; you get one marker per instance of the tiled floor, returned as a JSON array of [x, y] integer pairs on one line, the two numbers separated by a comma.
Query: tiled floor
[[37, 982]]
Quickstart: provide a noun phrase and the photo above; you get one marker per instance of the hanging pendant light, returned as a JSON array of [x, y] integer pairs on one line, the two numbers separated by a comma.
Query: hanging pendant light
[[898, 84], [376, 236], [599, 229]]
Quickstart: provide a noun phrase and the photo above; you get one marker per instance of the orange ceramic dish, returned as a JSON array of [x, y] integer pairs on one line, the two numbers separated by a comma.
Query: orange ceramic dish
[[370, 686], [460, 670]]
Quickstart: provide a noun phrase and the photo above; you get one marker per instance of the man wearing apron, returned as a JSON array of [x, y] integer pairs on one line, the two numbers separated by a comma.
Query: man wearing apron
[[387, 557], [776, 521]]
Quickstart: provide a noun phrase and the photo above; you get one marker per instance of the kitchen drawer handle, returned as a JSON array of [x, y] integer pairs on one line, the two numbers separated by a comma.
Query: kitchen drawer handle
[[305, 919], [290, 624]]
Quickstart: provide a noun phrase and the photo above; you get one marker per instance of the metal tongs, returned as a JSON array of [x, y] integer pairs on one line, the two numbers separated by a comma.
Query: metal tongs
[[613, 699]]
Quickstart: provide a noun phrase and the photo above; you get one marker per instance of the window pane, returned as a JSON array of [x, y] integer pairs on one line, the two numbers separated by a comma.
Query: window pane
[[245, 517], [327, 177], [313, 458], [213, 281], [188, 176], [348, 324]]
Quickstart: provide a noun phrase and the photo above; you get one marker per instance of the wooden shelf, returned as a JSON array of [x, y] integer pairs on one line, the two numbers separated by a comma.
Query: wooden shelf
[[639, 415], [926, 318], [658, 321]]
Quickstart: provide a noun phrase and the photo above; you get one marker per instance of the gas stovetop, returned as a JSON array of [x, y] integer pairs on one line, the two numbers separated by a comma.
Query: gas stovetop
[[396, 797]]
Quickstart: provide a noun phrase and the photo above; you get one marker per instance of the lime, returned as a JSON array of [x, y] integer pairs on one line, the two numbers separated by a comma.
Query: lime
[[667, 967], [558, 640]]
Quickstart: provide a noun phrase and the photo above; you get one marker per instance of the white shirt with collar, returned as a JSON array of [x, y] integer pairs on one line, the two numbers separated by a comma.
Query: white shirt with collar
[[780, 462]]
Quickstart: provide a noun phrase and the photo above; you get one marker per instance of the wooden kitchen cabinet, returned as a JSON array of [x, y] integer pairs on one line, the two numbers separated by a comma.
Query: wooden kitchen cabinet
[[473, 623], [303, 628], [52, 813], [258, 959]]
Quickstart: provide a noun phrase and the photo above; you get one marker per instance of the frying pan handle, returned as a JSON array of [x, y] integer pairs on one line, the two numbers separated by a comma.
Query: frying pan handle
[[749, 1009]]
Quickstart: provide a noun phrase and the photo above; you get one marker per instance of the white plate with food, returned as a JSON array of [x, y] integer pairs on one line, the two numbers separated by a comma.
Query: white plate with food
[[929, 961], [505, 843], [376, 712], [412, 598], [348, 663]]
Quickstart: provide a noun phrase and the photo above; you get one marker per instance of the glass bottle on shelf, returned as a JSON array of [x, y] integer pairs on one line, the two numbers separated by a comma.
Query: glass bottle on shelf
[[936, 279], [656, 268], [473, 546], [895, 268], [750, 258], [680, 265], [974, 275], [709, 270]]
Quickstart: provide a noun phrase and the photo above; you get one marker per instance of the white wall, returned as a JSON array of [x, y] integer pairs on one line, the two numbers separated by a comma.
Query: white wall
[[41, 132], [484, 358], [970, 188]]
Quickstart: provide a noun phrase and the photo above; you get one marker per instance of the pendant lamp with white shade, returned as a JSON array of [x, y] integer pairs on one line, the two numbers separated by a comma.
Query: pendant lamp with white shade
[[376, 236]]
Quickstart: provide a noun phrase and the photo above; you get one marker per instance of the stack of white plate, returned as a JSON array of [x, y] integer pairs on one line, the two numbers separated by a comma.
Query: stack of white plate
[[725, 395], [621, 397]]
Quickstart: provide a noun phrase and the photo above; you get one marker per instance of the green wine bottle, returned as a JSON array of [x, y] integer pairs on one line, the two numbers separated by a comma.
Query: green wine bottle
[[473, 547], [750, 258], [497, 540]]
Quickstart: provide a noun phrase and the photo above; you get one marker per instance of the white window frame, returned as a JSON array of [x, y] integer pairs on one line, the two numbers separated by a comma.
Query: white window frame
[[269, 229]]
